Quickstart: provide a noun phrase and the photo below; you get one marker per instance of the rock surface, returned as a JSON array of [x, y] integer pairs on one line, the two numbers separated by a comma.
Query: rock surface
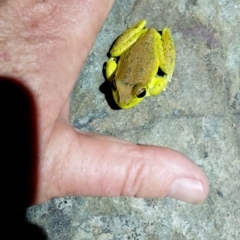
[[198, 115]]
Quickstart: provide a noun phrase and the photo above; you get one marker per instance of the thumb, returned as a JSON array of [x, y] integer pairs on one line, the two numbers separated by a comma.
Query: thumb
[[94, 165]]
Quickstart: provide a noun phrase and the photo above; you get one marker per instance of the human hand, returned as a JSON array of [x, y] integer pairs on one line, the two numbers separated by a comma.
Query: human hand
[[43, 44]]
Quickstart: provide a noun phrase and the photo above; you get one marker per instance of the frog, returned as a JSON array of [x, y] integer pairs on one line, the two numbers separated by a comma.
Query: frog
[[136, 58]]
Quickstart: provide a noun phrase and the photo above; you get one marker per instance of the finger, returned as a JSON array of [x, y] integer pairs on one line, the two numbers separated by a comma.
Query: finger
[[92, 165]]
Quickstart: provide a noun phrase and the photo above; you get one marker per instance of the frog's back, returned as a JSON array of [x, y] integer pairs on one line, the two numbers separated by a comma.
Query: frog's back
[[139, 64]]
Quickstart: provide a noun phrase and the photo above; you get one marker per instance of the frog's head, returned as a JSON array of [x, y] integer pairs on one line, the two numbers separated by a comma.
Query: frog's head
[[128, 95]]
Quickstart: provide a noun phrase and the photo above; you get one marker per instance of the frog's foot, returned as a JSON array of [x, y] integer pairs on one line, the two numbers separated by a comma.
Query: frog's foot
[[128, 38], [110, 69], [167, 52], [157, 85]]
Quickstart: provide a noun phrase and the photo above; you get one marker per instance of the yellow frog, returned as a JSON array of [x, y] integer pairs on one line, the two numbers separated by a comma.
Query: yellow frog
[[136, 57]]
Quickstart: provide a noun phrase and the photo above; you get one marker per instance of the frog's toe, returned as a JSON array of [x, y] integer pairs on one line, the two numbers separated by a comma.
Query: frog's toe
[[169, 77]]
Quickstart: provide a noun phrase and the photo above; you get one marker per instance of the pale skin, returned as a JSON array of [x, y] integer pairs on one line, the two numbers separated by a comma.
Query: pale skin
[[44, 44]]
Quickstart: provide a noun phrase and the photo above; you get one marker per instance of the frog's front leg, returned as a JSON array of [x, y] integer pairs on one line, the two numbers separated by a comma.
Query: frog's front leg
[[110, 69], [166, 52], [157, 85]]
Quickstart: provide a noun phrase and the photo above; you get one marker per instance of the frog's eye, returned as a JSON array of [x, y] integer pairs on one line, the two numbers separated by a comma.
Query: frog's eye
[[113, 85], [141, 93]]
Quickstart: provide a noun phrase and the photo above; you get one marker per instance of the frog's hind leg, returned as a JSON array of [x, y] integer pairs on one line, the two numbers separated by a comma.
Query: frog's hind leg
[[157, 85], [128, 38], [166, 53]]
